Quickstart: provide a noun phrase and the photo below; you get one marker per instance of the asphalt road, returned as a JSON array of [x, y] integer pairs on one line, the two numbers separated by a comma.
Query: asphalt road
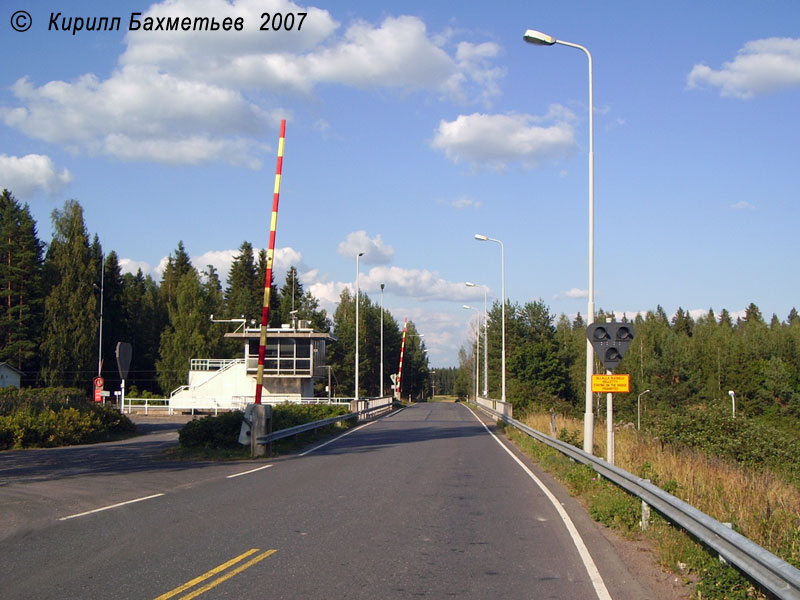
[[423, 503]]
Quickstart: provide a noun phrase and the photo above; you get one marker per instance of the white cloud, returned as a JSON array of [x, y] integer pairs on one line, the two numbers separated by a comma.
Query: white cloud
[[31, 173], [572, 293], [495, 140], [128, 265], [194, 97], [762, 66], [376, 252], [464, 202], [140, 114], [420, 284], [742, 205]]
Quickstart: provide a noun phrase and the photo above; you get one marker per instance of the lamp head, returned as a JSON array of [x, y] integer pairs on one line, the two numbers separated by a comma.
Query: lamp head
[[467, 306], [361, 254], [382, 285], [470, 284], [538, 38], [731, 393], [480, 237]]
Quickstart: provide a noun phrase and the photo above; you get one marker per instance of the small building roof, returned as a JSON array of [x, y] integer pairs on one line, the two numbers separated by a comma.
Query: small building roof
[[283, 332], [12, 367]]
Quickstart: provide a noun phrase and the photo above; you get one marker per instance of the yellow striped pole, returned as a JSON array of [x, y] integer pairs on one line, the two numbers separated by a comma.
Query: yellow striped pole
[[262, 342], [397, 391]]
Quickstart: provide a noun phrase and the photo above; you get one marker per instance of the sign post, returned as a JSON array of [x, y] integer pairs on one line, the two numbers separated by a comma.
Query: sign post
[[123, 353], [610, 341], [99, 382]]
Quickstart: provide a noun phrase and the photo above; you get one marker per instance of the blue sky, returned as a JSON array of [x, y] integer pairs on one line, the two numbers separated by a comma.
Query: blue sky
[[411, 126]]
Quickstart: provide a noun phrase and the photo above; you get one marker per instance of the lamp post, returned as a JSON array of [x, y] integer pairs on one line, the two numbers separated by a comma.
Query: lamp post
[[485, 336], [484, 238], [732, 394], [540, 39], [381, 375], [358, 294], [477, 347], [639, 409]]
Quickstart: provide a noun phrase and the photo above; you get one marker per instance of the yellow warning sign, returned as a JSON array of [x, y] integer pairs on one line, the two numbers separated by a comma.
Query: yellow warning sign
[[613, 384]]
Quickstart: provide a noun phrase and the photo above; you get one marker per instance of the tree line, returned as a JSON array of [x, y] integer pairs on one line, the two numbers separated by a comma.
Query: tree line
[[50, 309], [682, 361]]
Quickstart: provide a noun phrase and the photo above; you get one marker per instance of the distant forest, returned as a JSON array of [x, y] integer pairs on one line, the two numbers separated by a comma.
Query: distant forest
[[682, 361], [50, 306]]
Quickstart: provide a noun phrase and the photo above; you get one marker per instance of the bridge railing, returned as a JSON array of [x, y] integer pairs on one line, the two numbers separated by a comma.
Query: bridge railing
[[364, 408], [771, 573]]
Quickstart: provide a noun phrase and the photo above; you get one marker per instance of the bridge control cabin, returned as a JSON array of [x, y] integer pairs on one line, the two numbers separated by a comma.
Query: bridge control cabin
[[294, 357]]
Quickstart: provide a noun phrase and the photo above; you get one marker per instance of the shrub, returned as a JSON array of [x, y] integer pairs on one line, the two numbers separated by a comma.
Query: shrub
[[221, 431], [56, 417]]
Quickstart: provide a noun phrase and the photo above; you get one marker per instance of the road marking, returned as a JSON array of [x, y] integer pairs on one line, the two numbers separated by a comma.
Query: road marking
[[591, 568], [248, 472], [97, 510], [215, 571]]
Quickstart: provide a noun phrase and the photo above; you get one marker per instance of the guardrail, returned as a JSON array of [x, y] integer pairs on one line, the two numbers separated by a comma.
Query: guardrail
[[291, 431], [771, 573]]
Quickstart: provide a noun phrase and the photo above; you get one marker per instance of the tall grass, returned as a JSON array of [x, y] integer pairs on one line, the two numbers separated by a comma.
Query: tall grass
[[759, 503]]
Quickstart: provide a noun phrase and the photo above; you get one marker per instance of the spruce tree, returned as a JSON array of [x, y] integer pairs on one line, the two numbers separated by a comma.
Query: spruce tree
[[71, 323], [20, 286], [241, 294]]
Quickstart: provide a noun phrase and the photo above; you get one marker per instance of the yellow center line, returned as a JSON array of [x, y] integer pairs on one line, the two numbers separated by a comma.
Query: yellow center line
[[228, 575], [206, 575]]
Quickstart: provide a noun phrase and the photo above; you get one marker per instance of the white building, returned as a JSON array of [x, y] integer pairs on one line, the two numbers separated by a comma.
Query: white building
[[294, 357], [9, 376]]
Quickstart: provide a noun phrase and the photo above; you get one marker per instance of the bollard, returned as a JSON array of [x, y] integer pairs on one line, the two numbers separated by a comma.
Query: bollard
[[645, 522], [261, 424]]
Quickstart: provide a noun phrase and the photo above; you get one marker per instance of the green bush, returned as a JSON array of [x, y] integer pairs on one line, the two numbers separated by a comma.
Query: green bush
[[221, 431], [50, 417], [749, 442]]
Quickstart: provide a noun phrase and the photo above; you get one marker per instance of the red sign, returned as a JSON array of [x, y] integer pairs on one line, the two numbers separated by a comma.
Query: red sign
[[98, 389]]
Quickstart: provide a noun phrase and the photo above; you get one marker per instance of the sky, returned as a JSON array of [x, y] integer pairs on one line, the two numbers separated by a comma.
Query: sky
[[411, 127]]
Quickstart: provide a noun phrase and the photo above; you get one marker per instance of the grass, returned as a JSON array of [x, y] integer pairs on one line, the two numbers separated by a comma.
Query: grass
[[760, 505]]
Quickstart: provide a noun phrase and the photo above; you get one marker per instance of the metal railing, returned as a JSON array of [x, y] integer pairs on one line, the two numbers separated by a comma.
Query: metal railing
[[289, 432], [771, 573]]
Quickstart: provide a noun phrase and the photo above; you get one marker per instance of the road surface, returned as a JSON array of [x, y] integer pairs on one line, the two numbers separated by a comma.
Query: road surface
[[423, 503]]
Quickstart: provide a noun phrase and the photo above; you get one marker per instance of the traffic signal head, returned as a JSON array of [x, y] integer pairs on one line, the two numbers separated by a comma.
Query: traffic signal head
[[610, 341]]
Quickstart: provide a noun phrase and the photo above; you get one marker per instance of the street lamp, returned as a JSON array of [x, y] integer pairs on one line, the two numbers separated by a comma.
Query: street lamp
[[639, 409], [483, 238], [732, 394], [477, 346], [485, 335], [540, 39], [381, 376], [358, 294]]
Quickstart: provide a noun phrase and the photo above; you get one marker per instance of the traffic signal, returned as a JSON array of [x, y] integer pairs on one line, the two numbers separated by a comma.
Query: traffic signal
[[610, 341]]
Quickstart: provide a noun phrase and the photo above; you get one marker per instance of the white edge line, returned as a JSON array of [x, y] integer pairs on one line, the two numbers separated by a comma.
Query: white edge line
[[247, 472], [96, 510], [591, 568]]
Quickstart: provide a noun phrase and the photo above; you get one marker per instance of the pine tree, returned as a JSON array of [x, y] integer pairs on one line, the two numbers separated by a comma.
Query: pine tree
[[71, 315], [20, 286]]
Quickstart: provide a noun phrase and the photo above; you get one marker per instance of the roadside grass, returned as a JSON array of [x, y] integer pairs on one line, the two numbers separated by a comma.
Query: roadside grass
[[759, 504]]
